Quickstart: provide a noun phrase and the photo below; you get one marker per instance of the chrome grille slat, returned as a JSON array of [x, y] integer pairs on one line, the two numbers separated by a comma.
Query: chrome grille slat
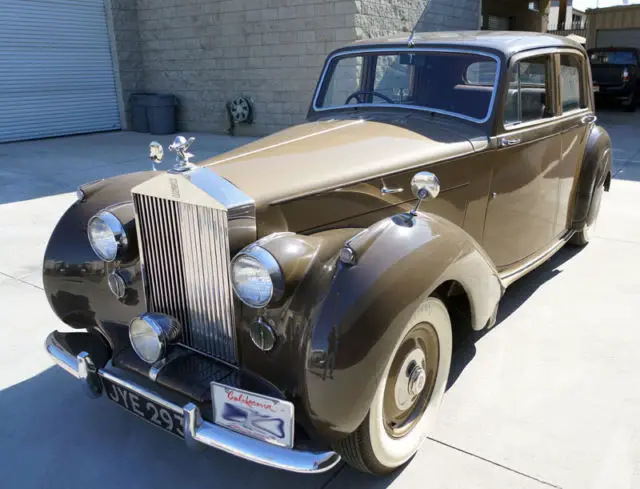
[[185, 252]]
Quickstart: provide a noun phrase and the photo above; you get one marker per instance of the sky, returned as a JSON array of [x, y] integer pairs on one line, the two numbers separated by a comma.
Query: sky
[[585, 4]]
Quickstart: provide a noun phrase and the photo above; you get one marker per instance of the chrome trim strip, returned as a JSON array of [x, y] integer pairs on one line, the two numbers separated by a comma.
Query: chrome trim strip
[[200, 432], [403, 106], [511, 276]]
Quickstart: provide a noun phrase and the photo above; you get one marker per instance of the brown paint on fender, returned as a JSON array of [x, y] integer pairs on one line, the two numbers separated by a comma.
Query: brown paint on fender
[[400, 262]]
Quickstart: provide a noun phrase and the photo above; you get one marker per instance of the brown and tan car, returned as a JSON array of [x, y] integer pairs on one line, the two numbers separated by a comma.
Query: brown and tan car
[[292, 302]]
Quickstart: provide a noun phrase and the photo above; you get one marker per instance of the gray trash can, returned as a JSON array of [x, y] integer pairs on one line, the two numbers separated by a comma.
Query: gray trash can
[[161, 113], [139, 120]]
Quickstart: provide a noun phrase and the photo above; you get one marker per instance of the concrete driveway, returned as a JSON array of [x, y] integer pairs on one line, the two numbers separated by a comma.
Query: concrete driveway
[[549, 397]]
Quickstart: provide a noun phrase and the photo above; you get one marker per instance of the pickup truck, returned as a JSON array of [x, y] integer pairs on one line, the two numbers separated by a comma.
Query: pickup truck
[[615, 73]]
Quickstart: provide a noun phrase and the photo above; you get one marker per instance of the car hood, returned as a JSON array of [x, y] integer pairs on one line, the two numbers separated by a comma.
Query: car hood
[[322, 155]]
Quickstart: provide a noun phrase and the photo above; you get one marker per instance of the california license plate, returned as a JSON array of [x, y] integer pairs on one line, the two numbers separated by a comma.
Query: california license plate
[[152, 411], [262, 417]]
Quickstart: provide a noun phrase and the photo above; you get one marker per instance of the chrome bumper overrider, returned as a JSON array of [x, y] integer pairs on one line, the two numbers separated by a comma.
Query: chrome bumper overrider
[[197, 431]]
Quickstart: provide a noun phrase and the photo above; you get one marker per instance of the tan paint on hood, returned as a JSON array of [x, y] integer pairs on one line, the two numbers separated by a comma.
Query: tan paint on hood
[[322, 155]]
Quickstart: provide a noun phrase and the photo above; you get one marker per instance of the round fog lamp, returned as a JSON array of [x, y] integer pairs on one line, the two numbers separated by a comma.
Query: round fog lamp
[[150, 335], [262, 334]]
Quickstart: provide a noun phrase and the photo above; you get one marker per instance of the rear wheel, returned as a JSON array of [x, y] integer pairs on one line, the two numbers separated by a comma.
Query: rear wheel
[[630, 105], [408, 397], [583, 236]]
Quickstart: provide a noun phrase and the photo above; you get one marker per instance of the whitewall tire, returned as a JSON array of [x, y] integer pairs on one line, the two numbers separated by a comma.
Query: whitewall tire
[[408, 397]]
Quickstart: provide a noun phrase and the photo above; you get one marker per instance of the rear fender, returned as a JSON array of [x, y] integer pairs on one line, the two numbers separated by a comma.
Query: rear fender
[[400, 262], [595, 172]]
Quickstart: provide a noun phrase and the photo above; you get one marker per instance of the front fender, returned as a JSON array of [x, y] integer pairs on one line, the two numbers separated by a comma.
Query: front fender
[[75, 279], [400, 262]]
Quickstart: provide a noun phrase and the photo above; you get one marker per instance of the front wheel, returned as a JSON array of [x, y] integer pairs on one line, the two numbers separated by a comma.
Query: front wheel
[[408, 397]]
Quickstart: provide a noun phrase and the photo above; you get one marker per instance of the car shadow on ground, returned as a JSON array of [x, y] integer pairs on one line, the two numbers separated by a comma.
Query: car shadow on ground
[[54, 436], [514, 297], [71, 438]]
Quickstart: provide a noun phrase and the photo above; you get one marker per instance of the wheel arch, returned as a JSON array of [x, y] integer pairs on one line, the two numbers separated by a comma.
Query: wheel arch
[[398, 266], [594, 172]]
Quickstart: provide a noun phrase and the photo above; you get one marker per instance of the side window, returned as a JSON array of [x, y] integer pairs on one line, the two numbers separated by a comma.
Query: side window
[[529, 97], [571, 83]]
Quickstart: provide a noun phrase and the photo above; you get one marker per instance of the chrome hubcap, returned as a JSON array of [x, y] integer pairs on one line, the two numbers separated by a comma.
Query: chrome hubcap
[[417, 379], [411, 379]]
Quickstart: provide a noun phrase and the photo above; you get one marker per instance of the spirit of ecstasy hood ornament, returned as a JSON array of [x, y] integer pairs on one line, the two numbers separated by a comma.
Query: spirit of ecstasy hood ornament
[[180, 145]]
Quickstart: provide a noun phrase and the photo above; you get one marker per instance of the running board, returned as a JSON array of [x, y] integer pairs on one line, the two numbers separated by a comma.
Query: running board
[[514, 274]]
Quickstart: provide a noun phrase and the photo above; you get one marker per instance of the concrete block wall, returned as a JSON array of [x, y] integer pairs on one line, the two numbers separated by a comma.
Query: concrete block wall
[[377, 18], [208, 52], [126, 40]]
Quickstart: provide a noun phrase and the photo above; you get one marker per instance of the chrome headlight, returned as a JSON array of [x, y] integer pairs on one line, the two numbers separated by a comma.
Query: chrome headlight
[[150, 334], [256, 277], [107, 236]]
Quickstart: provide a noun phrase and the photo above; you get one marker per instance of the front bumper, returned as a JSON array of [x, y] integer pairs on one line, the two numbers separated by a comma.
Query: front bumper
[[613, 92], [197, 431]]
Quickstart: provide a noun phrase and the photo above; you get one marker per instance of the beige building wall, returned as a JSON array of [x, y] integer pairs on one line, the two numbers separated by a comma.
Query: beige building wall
[[208, 52], [625, 17], [518, 13]]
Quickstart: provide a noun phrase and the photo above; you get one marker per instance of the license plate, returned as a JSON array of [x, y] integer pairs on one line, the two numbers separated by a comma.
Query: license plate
[[262, 417], [596, 88], [147, 409]]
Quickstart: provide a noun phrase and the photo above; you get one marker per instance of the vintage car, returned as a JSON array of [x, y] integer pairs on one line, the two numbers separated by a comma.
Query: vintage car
[[296, 301]]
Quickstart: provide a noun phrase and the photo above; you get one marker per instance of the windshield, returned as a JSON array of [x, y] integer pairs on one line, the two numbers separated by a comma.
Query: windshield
[[460, 84], [613, 58]]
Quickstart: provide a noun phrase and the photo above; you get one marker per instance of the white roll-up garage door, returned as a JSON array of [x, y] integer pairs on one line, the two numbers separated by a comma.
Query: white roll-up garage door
[[56, 71], [620, 38]]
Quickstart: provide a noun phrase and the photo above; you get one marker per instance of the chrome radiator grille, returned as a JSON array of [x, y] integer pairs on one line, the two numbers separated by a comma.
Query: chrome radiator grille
[[185, 253]]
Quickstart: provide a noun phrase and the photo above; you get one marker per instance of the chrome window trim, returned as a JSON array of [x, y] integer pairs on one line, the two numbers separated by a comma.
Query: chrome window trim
[[487, 54]]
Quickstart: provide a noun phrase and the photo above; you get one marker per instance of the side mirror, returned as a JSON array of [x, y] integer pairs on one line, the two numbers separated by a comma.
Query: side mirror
[[424, 185], [156, 153]]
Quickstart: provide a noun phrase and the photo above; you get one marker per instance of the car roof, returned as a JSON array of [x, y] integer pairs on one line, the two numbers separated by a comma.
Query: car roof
[[506, 42]]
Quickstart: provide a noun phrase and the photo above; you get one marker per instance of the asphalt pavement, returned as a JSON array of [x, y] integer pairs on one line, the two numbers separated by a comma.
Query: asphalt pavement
[[548, 398]]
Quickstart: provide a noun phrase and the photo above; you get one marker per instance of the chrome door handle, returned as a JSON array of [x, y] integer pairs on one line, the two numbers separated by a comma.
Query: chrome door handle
[[589, 119], [386, 190], [510, 141]]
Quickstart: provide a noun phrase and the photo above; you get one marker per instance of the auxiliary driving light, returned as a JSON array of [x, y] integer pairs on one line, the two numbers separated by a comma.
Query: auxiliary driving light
[[151, 333]]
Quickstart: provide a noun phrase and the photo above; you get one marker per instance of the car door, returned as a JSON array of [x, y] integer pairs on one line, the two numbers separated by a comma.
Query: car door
[[575, 121], [523, 199]]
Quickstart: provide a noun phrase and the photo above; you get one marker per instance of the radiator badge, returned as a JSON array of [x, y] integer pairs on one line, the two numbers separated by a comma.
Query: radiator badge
[[175, 190]]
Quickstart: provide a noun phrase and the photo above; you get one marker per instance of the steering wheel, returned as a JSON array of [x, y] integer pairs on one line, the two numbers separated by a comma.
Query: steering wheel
[[360, 93]]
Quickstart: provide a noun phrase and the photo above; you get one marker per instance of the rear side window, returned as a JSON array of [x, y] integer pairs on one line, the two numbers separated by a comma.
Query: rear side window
[[529, 95], [571, 83]]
